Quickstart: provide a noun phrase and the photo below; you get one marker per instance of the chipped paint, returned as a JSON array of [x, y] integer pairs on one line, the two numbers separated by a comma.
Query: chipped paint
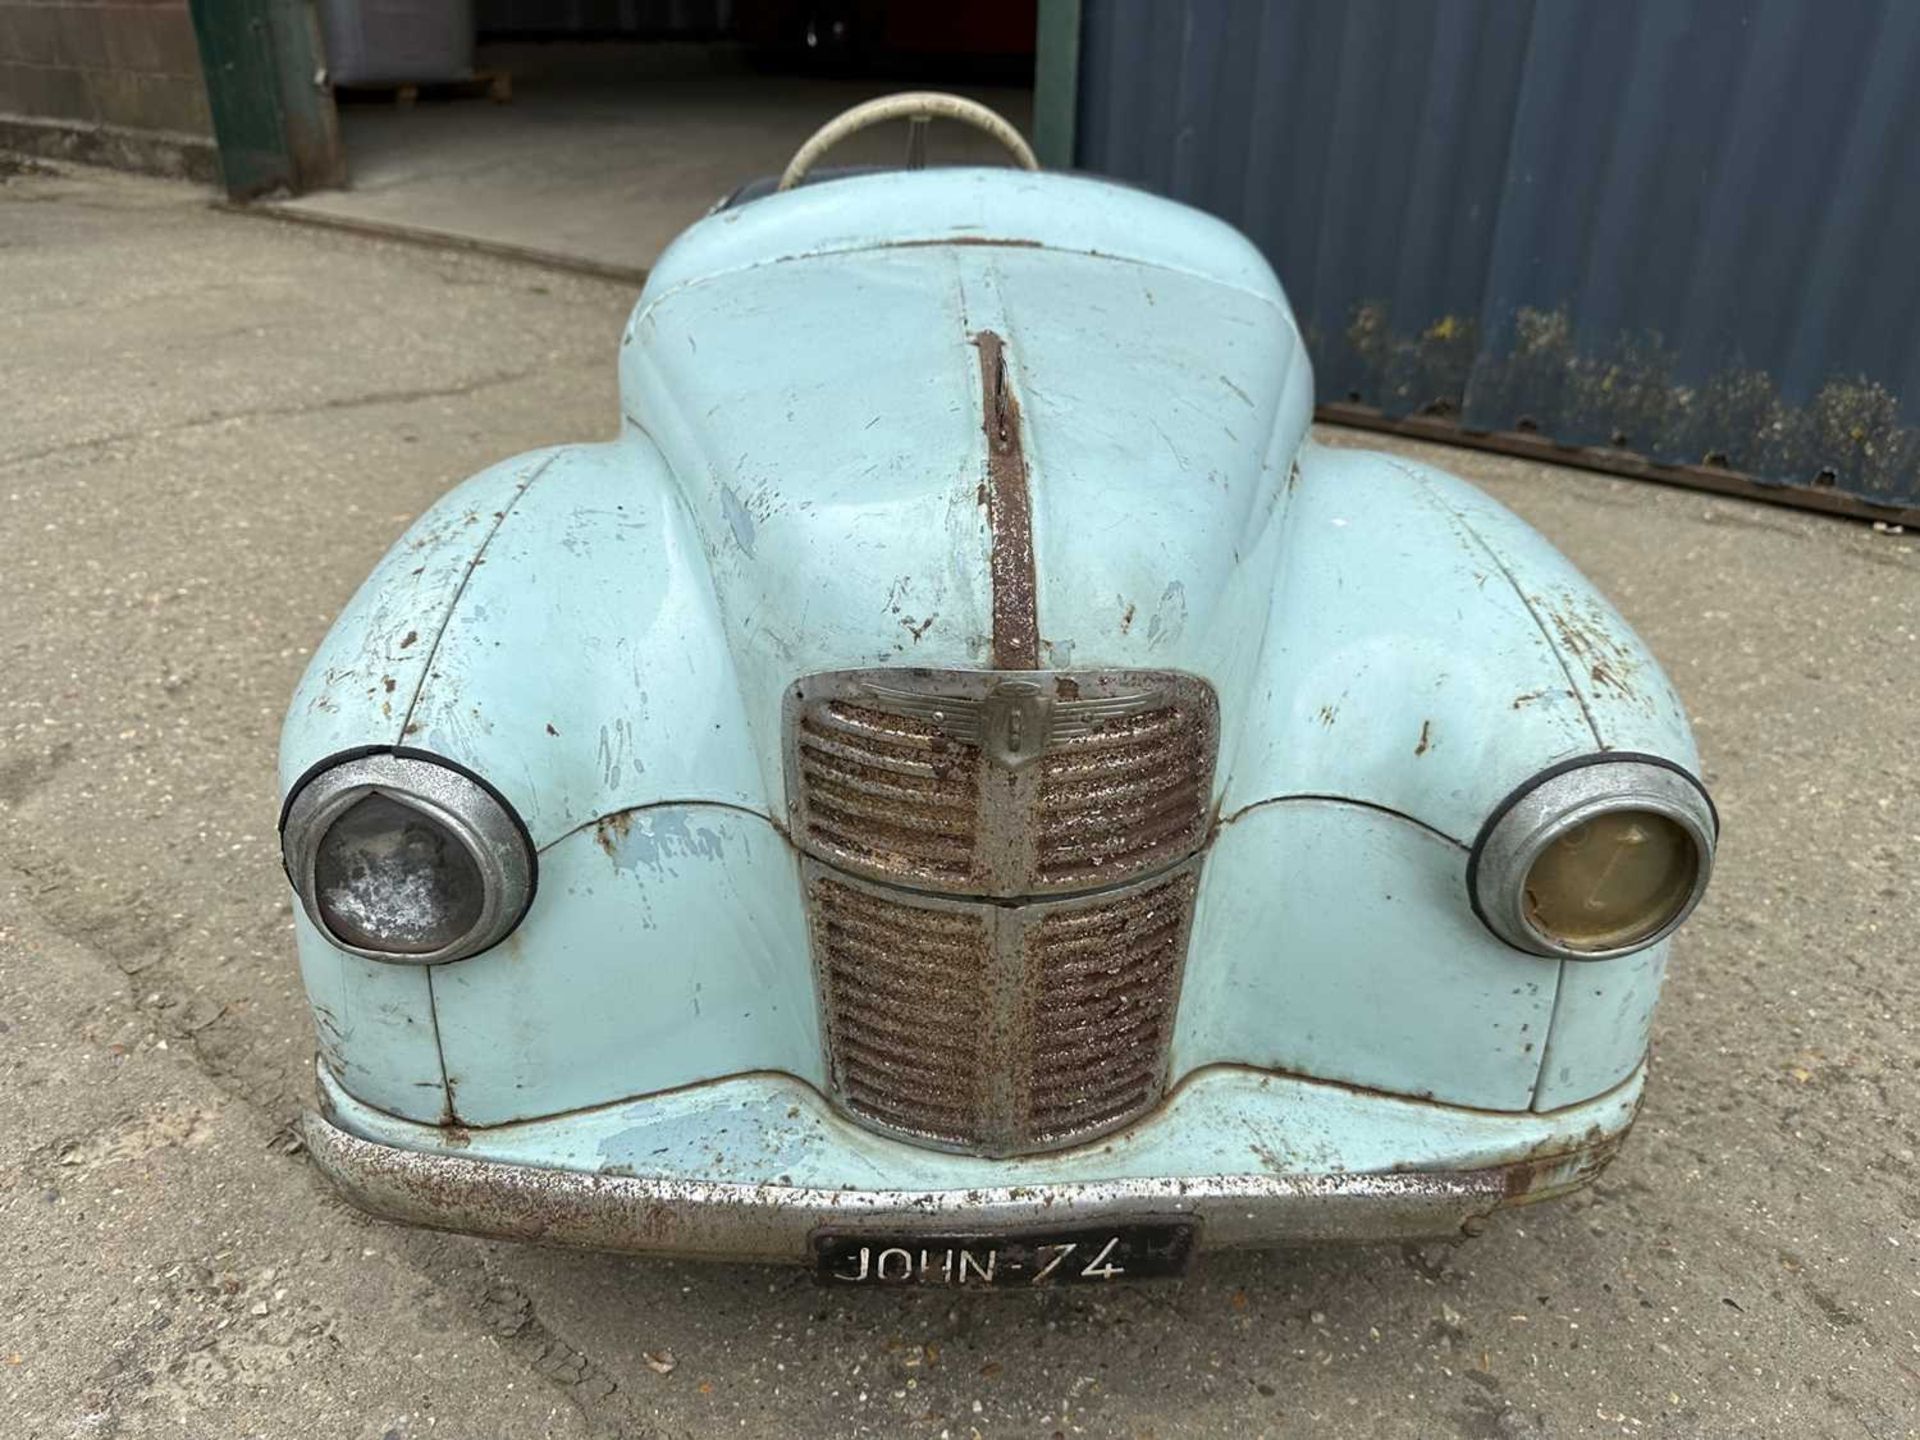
[[740, 520], [1169, 619], [1591, 637]]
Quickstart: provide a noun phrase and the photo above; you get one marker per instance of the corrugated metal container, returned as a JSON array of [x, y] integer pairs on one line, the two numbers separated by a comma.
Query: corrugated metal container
[[1683, 228], [396, 42]]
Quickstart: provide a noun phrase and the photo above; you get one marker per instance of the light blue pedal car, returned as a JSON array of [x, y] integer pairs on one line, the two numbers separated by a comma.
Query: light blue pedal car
[[964, 791]]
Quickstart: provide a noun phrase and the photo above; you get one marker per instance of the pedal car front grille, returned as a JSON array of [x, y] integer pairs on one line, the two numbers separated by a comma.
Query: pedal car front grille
[[999, 1029], [890, 792], [1000, 783], [1102, 979], [906, 992], [1000, 878], [1125, 796]]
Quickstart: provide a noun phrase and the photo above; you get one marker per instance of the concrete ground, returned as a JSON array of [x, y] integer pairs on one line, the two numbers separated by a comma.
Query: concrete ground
[[591, 159], [213, 425]]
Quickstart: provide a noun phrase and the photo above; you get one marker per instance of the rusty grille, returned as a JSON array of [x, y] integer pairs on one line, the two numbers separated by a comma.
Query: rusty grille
[[906, 993], [984, 783], [1125, 795], [1001, 876], [1103, 980], [999, 1029], [891, 791]]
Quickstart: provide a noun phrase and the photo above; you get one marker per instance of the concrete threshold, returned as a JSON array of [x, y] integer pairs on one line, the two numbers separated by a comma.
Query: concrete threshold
[[437, 239]]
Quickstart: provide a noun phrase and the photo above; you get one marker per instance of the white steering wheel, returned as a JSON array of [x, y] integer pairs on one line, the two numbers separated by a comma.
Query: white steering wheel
[[918, 107]]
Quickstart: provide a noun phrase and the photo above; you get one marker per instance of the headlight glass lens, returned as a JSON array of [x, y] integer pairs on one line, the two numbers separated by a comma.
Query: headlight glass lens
[[1612, 881], [1594, 858], [389, 877], [405, 858]]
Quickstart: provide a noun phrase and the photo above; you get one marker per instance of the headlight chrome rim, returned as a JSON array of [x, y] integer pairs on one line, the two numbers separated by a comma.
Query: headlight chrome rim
[[1558, 801], [459, 803]]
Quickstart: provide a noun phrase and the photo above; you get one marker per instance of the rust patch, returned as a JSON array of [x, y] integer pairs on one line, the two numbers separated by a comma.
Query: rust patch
[[1547, 1177], [773, 1220], [1587, 635], [1426, 738], [1016, 620], [989, 241], [610, 830], [411, 636]]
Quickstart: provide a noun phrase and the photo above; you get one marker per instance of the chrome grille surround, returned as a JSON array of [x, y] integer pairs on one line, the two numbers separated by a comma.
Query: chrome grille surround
[[1000, 876]]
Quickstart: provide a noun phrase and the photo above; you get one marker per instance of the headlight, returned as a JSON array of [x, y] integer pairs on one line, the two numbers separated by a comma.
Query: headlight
[[400, 858], [1594, 860]]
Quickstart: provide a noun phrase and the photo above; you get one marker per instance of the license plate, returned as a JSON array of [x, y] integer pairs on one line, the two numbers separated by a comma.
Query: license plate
[[1062, 1257]]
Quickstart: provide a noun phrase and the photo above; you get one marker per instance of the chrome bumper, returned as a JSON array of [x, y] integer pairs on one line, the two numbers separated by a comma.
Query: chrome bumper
[[777, 1223]]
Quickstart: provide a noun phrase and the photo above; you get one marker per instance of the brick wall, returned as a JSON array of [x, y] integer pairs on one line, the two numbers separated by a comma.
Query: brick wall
[[110, 81]]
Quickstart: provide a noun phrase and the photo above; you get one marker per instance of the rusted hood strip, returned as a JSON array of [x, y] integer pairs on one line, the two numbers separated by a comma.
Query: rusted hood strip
[[1009, 503]]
